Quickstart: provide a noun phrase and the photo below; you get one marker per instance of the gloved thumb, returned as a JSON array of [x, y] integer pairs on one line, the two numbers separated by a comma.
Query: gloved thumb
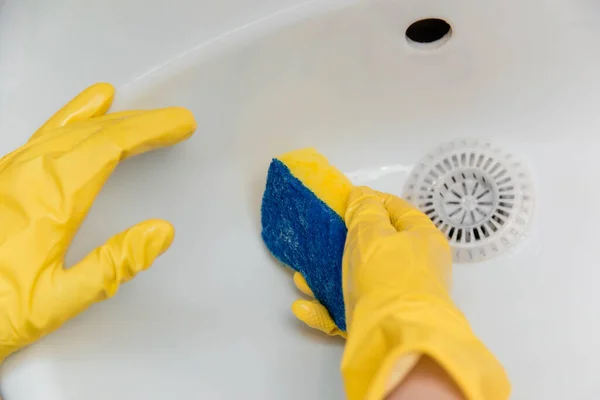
[[315, 315], [99, 275]]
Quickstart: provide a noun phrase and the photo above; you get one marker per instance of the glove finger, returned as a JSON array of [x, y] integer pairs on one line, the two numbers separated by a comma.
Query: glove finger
[[366, 216], [118, 115], [301, 284], [99, 275], [144, 132], [92, 102], [62, 142], [315, 315], [84, 170], [404, 216], [379, 213]]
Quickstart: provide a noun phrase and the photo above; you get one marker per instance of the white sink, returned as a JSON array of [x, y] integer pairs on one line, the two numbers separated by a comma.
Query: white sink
[[212, 318]]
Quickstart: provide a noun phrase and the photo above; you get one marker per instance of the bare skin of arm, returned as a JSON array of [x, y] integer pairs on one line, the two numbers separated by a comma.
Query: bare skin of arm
[[427, 381]]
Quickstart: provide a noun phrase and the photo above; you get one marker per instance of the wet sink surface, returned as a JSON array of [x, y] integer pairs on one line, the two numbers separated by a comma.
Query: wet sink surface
[[211, 319]]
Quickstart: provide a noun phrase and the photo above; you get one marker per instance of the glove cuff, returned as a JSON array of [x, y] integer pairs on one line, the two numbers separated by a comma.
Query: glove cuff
[[384, 344]]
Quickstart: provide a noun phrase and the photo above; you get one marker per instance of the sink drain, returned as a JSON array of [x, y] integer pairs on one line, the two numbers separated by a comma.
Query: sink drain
[[479, 196]]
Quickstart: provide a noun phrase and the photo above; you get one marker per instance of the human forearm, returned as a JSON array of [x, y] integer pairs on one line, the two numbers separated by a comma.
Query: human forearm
[[426, 381]]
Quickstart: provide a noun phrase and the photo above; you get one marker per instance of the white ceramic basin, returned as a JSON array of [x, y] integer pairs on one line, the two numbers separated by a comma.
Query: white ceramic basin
[[211, 319]]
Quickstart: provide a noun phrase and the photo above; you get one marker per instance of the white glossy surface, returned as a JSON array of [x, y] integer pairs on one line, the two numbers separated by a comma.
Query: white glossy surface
[[211, 319]]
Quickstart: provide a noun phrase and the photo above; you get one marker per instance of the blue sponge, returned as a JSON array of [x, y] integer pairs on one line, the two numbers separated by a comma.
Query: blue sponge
[[301, 230]]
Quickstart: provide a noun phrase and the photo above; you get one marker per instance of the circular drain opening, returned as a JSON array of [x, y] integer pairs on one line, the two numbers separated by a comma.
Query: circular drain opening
[[430, 32], [479, 196]]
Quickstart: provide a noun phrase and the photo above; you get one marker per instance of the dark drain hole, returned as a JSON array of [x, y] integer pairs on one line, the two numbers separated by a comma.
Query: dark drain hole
[[428, 30]]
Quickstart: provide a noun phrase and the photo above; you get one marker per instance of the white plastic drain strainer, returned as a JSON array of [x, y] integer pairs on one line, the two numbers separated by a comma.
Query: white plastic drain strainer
[[479, 196]]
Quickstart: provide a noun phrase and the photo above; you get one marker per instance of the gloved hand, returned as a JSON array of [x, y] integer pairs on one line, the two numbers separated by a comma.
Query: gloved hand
[[46, 189], [396, 273]]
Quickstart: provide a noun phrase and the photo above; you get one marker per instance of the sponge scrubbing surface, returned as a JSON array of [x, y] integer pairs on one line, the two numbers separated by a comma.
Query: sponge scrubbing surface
[[303, 226]]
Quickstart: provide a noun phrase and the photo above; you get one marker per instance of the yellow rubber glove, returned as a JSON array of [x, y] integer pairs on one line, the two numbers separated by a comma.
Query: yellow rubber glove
[[46, 189], [312, 312], [396, 273]]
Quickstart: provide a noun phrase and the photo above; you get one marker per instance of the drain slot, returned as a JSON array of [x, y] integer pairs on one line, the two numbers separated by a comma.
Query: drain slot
[[476, 194], [428, 33]]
